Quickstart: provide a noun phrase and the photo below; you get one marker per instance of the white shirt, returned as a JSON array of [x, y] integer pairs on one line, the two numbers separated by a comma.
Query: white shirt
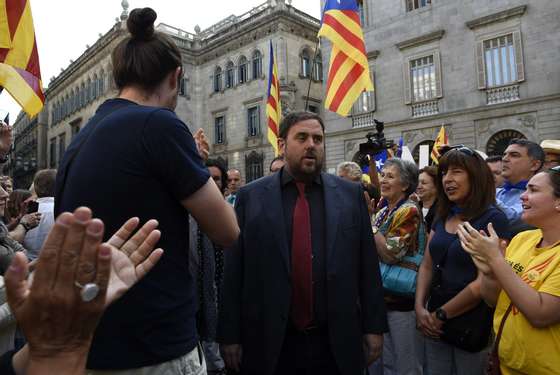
[[33, 241]]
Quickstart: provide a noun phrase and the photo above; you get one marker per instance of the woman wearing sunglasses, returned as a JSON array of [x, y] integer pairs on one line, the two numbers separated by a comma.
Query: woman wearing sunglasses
[[449, 308], [524, 283]]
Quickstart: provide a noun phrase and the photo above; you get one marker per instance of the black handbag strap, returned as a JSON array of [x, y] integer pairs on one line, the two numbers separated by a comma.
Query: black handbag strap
[[63, 173]]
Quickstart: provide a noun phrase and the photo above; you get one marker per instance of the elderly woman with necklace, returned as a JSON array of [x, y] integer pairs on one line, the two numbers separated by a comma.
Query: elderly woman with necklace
[[399, 238]]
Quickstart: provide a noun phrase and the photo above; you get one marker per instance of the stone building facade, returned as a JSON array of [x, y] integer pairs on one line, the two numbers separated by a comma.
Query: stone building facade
[[486, 70], [224, 88]]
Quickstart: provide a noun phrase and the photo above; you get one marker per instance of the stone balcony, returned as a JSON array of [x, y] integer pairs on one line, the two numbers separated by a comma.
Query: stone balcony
[[425, 109], [503, 94]]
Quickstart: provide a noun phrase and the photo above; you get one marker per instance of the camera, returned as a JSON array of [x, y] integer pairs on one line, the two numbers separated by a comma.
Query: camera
[[374, 145]]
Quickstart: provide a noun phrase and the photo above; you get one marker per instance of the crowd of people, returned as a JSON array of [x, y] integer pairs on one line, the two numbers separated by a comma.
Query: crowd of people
[[152, 258]]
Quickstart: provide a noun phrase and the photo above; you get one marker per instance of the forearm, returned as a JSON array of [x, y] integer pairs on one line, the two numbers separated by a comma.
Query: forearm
[[489, 290], [423, 281], [18, 233], [522, 295], [465, 300], [384, 254]]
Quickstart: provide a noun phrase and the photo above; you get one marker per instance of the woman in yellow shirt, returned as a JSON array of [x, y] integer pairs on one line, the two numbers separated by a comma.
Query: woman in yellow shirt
[[527, 277]]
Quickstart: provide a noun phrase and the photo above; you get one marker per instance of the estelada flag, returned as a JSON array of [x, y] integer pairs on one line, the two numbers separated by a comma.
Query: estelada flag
[[441, 140], [20, 73], [348, 68]]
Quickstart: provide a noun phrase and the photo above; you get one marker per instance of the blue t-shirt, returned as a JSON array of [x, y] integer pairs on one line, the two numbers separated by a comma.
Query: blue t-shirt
[[458, 270], [140, 161]]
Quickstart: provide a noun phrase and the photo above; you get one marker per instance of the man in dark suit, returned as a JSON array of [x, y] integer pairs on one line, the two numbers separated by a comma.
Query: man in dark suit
[[302, 292]]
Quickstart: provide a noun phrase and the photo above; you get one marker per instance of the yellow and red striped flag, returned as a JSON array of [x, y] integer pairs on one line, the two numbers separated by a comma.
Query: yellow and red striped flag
[[273, 107], [19, 60], [441, 140], [348, 68]]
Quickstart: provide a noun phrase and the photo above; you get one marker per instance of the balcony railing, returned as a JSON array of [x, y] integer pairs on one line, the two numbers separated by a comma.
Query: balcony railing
[[502, 94], [425, 109], [363, 120]]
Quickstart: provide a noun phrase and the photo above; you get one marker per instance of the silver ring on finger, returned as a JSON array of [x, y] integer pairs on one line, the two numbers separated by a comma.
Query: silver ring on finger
[[88, 292]]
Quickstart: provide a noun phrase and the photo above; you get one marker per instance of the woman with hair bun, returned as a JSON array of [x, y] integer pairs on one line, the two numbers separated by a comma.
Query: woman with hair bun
[[136, 158]]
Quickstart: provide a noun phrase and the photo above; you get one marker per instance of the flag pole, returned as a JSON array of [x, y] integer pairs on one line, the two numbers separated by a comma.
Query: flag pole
[[311, 75]]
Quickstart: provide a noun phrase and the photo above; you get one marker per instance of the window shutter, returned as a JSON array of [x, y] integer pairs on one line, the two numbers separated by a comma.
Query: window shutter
[[407, 87], [439, 83], [518, 56], [480, 65]]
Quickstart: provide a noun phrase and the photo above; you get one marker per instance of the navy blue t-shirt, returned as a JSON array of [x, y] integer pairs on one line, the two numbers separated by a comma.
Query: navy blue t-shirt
[[139, 161], [458, 269]]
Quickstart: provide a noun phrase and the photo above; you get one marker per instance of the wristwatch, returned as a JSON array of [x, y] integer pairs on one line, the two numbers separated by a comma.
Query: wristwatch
[[441, 314], [374, 229]]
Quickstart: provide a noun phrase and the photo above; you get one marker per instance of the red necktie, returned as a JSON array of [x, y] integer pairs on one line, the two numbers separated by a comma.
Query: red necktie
[[302, 269]]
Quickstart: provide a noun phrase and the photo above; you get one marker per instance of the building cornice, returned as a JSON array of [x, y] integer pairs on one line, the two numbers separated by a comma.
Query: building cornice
[[497, 17], [91, 54], [419, 40]]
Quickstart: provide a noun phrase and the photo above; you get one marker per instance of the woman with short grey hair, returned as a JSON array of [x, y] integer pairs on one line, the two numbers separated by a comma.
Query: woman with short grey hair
[[400, 240]]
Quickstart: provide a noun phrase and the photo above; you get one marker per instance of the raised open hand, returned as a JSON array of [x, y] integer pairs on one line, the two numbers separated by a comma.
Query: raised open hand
[[132, 257], [202, 144]]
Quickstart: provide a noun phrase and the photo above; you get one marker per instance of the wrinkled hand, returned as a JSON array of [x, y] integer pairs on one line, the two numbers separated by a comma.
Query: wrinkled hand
[[232, 355], [6, 138], [31, 220], [426, 323], [132, 258], [51, 312], [202, 144], [482, 247], [373, 345]]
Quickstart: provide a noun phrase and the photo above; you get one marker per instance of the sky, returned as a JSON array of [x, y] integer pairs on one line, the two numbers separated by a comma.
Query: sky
[[63, 28]]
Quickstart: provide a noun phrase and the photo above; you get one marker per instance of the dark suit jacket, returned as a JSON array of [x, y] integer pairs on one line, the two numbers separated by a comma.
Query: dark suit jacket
[[257, 292]]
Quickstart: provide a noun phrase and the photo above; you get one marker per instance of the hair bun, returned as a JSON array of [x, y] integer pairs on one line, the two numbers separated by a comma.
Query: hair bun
[[140, 23]]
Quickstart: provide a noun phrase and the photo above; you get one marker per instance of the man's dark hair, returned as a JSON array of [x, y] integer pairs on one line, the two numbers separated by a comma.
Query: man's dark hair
[[44, 182], [493, 159], [146, 57], [281, 157], [534, 150], [293, 118], [216, 163], [482, 193]]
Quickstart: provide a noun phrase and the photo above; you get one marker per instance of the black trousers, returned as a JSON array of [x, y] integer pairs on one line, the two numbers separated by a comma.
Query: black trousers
[[306, 353]]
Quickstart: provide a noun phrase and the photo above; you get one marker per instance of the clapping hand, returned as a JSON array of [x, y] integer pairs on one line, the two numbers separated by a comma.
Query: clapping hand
[[132, 258], [482, 247]]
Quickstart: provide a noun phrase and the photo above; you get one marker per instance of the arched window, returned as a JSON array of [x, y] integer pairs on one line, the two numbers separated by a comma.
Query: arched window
[[257, 65], [75, 99], [498, 143], [253, 166], [218, 79], [305, 63], [230, 75], [318, 68], [243, 67]]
